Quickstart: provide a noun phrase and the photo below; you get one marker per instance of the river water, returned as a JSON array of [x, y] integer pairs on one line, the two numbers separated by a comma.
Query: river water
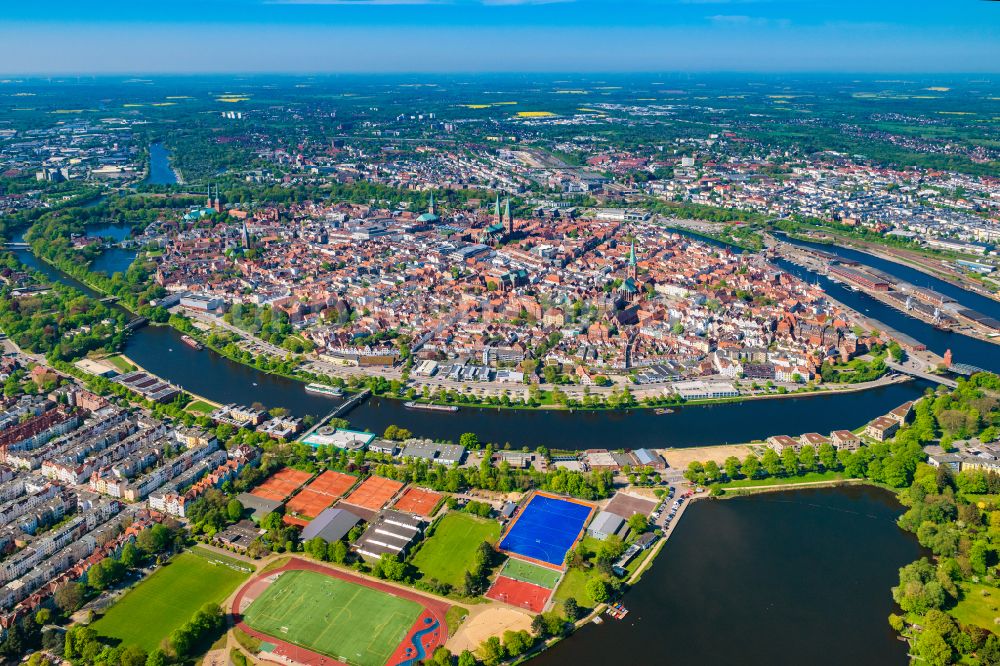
[[160, 350], [791, 578], [964, 349], [160, 171], [787, 578]]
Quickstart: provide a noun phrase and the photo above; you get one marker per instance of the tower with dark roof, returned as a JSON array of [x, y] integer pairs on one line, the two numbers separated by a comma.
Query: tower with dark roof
[[510, 218], [633, 263]]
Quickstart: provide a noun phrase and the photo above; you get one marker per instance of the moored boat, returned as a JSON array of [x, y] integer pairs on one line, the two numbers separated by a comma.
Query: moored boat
[[191, 342], [430, 408], [323, 389]]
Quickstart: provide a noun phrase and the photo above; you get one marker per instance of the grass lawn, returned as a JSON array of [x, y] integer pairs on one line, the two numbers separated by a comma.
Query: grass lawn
[[454, 617], [976, 609], [574, 584], [447, 553], [167, 599], [199, 407], [530, 573], [811, 477], [121, 365], [349, 622], [219, 558]]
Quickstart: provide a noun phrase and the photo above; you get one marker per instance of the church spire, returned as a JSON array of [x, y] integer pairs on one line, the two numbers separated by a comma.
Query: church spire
[[430, 208], [510, 218], [497, 210], [633, 263]]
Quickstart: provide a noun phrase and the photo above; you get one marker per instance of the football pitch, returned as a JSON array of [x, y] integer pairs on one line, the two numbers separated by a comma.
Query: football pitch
[[349, 622], [168, 598], [530, 573]]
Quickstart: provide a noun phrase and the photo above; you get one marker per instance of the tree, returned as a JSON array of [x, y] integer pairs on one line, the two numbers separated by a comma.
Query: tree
[[750, 467], [469, 440], [133, 655], [234, 509], [157, 658], [932, 648], [337, 552], [466, 659], [789, 462], [491, 651], [68, 597], [807, 458], [516, 643], [771, 462], [390, 567], [442, 657], [572, 609], [638, 523], [597, 590], [732, 467], [130, 556], [828, 456]]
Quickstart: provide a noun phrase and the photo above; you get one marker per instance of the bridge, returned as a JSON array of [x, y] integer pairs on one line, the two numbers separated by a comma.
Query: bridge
[[922, 374], [17, 246], [349, 404], [339, 411], [137, 322]]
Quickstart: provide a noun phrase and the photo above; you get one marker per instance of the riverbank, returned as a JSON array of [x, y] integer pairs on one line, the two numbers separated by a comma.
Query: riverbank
[[900, 257], [195, 396]]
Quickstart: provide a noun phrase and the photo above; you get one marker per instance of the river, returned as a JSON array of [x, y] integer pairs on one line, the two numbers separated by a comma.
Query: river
[[160, 350], [799, 577], [783, 578], [160, 171], [964, 349]]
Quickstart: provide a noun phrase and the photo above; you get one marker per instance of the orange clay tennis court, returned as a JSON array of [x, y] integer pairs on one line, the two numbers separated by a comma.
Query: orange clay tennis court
[[281, 484], [321, 493], [374, 493], [418, 501]]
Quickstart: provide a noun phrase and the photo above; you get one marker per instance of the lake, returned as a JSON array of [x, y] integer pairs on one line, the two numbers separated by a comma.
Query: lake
[[799, 577]]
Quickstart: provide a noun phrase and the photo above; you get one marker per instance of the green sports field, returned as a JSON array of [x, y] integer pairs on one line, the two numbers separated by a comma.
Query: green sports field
[[530, 573], [447, 553], [349, 622], [167, 599]]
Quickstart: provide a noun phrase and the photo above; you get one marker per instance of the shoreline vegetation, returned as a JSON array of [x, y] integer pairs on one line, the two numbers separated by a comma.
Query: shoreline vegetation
[[946, 605]]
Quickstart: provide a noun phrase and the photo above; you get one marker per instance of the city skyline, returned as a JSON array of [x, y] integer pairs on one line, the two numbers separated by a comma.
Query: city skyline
[[428, 36]]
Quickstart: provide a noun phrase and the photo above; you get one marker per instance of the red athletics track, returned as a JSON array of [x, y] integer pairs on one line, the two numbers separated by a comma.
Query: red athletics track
[[520, 594], [432, 608]]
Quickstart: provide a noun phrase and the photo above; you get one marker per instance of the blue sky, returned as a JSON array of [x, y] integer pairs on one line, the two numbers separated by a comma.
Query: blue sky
[[304, 36]]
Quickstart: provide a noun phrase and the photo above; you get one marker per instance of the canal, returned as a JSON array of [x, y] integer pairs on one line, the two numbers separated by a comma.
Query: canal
[[798, 577]]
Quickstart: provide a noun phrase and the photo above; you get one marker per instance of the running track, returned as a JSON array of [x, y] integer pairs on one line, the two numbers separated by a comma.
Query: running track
[[432, 608]]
